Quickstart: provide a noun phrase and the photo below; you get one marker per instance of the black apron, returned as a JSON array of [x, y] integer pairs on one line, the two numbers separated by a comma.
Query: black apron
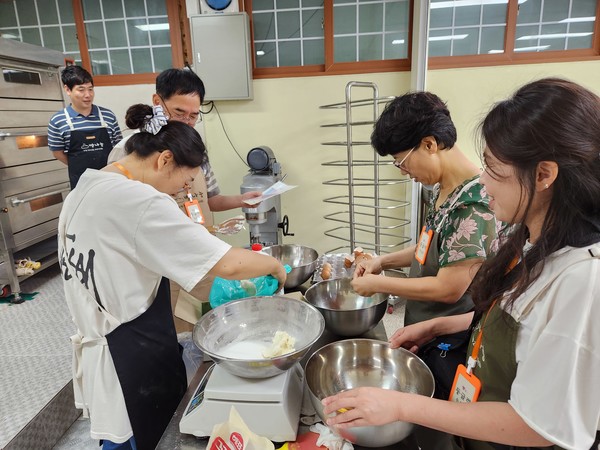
[[88, 149], [148, 362]]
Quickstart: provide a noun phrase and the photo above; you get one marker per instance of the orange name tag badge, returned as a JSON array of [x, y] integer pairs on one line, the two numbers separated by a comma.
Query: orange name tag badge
[[466, 386], [423, 245], [192, 209]]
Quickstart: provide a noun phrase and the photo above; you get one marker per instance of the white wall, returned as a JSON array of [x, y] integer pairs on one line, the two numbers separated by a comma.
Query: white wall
[[285, 116]]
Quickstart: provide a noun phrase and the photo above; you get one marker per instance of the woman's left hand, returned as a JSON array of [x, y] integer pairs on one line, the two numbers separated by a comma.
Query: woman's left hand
[[365, 285], [362, 406]]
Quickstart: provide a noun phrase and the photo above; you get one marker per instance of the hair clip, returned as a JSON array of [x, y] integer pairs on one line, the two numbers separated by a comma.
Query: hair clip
[[155, 122]]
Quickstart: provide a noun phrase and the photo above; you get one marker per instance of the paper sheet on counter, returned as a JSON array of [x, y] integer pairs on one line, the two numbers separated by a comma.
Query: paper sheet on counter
[[276, 189]]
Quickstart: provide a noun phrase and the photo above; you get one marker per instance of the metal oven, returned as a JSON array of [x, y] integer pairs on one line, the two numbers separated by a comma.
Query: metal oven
[[33, 184]]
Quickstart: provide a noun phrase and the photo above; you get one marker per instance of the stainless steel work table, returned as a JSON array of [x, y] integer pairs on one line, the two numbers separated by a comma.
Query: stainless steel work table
[[173, 439]]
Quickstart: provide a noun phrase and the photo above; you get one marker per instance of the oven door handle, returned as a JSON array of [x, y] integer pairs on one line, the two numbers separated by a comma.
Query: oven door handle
[[17, 201], [6, 134]]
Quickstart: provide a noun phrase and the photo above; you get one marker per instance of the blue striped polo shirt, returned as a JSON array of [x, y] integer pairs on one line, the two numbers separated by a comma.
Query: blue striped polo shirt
[[59, 133]]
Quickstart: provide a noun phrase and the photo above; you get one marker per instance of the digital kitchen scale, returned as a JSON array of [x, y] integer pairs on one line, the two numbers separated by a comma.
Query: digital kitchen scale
[[269, 406]]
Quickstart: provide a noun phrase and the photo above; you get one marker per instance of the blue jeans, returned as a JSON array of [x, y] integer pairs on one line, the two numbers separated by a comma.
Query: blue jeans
[[127, 445]]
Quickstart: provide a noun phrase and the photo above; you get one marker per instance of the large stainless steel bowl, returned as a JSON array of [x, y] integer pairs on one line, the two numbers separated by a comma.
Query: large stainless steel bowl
[[346, 312], [353, 363], [302, 260], [235, 333]]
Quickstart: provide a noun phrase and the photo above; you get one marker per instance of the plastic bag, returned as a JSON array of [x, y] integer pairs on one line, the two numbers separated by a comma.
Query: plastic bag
[[192, 355], [224, 291], [229, 226]]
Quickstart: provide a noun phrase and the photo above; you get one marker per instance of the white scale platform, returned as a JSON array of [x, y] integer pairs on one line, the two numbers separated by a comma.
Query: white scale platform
[[269, 406]]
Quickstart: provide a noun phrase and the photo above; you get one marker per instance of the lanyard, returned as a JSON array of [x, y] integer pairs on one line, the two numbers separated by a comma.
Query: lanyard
[[126, 172], [475, 353]]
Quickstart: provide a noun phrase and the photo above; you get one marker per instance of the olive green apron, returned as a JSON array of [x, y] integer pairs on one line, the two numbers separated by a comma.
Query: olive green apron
[[419, 311], [498, 372]]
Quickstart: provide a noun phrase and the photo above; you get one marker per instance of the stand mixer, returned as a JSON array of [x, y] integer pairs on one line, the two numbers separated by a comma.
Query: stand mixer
[[265, 222]]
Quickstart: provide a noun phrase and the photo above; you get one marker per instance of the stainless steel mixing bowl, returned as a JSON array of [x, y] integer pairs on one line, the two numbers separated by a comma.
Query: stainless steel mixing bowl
[[353, 363], [302, 260], [346, 312], [254, 321]]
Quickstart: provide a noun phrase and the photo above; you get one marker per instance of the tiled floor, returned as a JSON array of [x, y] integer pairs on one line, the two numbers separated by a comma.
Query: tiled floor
[[35, 358], [35, 352]]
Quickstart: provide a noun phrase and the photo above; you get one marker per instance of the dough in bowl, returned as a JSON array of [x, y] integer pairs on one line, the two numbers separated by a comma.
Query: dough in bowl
[[282, 344]]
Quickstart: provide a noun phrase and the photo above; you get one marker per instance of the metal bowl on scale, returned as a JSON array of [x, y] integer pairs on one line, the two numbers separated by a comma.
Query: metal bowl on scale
[[346, 312], [303, 261], [234, 335], [354, 363]]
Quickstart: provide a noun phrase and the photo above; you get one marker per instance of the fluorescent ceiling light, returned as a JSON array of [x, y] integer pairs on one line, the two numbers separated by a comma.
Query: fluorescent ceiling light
[[578, 19], [260, 53], [9, 36], [398, 41], [523, 49], [153, 27], [553, 36], [459, 3], [447, 38], [532, 48]]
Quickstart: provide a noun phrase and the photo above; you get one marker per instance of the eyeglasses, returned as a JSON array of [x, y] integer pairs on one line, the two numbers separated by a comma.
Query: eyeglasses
[[400, 164], [192, 119]]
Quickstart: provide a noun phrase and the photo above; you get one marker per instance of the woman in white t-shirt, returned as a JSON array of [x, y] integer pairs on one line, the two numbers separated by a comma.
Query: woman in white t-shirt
[[121, 238], [535, 345]]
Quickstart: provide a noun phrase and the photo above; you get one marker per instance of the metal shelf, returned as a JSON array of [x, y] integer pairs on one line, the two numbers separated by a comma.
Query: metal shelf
[[353, 124], [388, 203], [364, 182], [345, 143], [356, 163], [364, 102], [377, 228], [367, 244], [399, 221]]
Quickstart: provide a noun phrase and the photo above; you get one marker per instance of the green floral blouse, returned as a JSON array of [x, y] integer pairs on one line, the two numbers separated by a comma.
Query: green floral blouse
[[467, 228]]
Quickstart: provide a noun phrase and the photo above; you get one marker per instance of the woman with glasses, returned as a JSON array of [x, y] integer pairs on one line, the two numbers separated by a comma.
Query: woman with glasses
[[535, 348], [459, 232], [122, 238]]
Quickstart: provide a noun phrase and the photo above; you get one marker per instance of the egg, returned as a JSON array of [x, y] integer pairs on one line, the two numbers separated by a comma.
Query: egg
[[326, 271], [348, 261], [358, 251]]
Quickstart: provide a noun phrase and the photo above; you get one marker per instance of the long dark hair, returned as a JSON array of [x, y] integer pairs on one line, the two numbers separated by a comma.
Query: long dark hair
[[183, 140], [546, 120], [409, 118]]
